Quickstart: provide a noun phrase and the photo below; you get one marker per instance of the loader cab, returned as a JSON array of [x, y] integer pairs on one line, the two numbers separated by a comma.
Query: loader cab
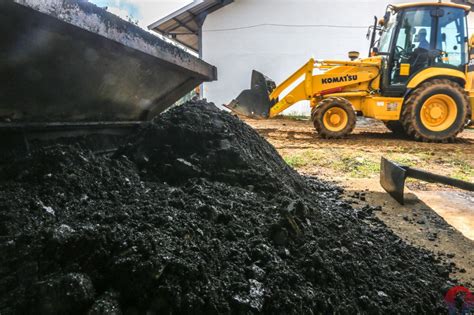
[[420, 36]]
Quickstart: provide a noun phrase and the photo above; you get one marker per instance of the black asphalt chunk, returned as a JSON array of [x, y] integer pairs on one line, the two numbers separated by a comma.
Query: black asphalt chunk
[[197, 215]]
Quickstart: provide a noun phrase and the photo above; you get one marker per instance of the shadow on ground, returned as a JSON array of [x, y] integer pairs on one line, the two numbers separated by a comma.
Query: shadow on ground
[[420, 224]]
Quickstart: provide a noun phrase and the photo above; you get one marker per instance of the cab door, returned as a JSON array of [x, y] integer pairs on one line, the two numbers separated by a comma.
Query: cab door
[[425, 37], [412, 47], [452, 39]]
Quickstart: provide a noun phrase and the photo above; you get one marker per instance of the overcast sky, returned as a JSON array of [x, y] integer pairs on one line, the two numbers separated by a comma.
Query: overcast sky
[[145, 11]]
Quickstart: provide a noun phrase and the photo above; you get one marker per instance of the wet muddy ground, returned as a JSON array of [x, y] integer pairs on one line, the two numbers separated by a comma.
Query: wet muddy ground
[[198, 214]]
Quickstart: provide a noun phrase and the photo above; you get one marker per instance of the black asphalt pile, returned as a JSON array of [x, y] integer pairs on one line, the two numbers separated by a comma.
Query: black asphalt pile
[[199, 140], [197, 215]]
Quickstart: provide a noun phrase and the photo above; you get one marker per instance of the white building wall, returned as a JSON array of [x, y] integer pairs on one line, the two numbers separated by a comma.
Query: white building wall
[[278, 50]]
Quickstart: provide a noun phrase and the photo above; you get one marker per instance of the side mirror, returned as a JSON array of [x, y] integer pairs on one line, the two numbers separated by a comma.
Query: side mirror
[[367, 36], [386, 17], [353, 55]]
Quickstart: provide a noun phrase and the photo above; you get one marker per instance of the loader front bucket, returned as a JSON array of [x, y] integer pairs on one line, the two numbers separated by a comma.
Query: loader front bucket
[[255, 102]]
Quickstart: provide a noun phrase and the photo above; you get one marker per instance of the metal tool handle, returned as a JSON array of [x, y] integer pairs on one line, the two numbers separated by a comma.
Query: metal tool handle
[[434, 178]]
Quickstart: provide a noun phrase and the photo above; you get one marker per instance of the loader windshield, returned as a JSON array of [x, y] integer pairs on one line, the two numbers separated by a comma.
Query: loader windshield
[[386, 34]]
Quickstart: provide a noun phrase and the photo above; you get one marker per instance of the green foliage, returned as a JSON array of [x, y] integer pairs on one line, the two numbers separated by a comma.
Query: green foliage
[[363, 164]]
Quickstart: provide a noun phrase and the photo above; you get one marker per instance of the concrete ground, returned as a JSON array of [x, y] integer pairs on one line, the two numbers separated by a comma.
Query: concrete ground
[[435, 217]]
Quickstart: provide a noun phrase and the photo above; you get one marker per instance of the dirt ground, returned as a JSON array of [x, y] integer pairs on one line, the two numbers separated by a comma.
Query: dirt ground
[[435, 217]]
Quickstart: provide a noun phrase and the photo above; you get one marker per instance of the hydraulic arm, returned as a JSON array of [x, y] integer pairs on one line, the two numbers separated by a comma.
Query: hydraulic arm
[[265, 100]]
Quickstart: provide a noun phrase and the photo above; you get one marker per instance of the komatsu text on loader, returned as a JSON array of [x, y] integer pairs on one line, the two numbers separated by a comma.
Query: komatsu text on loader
[[418, 78]]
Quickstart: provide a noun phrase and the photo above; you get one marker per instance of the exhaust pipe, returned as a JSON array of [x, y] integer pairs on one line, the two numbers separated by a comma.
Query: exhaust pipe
[[255, 102]]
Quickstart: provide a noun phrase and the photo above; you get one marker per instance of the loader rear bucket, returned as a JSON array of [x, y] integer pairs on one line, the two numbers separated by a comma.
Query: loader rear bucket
[[392, 179], [393, 176], [71, 62], [255, 102]]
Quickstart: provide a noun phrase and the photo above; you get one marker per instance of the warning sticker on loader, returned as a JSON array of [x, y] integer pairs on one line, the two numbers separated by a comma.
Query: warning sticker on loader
[[391, 107]]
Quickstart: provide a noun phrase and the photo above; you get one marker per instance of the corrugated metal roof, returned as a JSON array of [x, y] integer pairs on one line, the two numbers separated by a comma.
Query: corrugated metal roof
[[184, 24]]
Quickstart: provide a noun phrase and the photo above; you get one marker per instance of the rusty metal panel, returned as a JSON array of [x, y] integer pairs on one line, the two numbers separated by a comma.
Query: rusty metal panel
[[57, 68]]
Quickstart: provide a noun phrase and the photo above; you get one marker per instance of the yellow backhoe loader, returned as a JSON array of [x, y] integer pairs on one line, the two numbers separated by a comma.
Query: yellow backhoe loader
[[417, 78]]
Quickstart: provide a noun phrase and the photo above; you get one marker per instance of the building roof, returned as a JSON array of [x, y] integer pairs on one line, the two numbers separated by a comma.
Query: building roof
[[184, 24]]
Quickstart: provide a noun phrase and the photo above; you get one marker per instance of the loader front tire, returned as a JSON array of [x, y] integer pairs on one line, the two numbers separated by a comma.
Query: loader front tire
[[437, 111], [333, 118]]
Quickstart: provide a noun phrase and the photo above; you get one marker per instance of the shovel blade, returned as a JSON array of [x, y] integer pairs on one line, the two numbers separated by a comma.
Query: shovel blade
[[392, 179], [255, 102]]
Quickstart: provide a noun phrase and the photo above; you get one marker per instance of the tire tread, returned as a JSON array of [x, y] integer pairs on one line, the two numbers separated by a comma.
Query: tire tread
[[318, 111], [408, 116]]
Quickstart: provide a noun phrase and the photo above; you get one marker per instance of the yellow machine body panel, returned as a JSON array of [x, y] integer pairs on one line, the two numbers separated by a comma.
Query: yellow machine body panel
[[382, 108], [434, 72], [470, 76], [378, 107], [405, 69]]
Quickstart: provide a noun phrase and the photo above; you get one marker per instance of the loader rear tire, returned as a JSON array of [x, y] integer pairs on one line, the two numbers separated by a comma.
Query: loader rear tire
[[437, 111], [333, 118], [395, 126]]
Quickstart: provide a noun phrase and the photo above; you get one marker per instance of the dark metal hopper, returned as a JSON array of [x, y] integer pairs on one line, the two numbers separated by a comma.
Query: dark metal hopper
[[393, 176], [72, 62], [255, 102]]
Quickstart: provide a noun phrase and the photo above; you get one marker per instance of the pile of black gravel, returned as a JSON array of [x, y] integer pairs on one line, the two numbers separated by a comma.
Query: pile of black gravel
[[200, 141], [199, 214]]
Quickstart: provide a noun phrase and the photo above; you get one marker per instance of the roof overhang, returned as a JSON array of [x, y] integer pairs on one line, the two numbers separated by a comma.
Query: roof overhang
[[184, 25]]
